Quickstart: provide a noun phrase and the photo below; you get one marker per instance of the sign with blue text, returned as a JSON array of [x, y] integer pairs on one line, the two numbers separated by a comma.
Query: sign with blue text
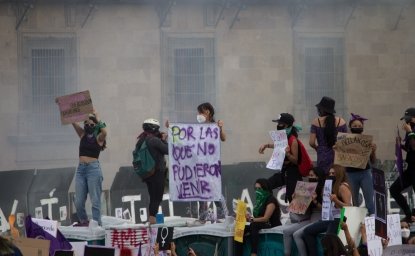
[[195, 172]]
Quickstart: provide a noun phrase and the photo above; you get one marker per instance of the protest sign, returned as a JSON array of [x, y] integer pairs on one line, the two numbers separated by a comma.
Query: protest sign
[[374, 244], [164, 237], [378, 177], [352, 150], [326, 211], [394, 229], [75, 107], [400, 250], [194, 162], [355, 216], [50, 226], [280, 144], [240, 221], [303, 197]]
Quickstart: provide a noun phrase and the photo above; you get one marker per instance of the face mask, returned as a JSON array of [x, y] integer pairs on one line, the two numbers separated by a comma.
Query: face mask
[[201, 118], [88, 129], [280, 127], [260, 192], [312, 179], [356, 130], [405, 232]]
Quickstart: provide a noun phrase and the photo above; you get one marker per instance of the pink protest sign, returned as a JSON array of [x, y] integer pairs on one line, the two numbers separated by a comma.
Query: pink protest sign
[[75, 107]]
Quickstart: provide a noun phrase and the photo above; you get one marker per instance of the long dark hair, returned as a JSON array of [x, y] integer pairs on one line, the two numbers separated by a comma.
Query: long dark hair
[[95, 120], [207, 106], [6, 247], [330, 131], [264, 184]]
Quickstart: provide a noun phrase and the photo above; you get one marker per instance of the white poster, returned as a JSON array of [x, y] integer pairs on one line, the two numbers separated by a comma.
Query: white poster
[[394, 229], [326, 211], [278, 155], [374, 243], [195, 172], [50, 226]]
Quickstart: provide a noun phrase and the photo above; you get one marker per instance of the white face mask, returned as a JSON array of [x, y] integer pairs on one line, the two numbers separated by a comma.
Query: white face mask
[[201, 118], [405, 232]]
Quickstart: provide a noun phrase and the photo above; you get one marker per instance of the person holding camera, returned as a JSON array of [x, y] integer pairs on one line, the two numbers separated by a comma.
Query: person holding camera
[[408, 176]]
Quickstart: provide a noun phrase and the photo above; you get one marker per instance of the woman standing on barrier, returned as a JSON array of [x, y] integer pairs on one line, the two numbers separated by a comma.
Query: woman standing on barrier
[[323, 133], [266, 214], [88, 177]]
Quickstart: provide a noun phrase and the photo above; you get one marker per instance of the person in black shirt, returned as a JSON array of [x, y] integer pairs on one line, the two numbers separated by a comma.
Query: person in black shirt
[[158, 147]]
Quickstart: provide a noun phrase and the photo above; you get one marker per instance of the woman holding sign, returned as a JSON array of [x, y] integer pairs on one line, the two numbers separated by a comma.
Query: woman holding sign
[[88, 177], [361, 178], [266, 214], [290, 173], [323, 132], [341, 196]]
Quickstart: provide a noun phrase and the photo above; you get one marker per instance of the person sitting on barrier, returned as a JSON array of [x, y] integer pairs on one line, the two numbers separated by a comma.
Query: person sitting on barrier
[[341, 196], [300, 221], [266, 214]]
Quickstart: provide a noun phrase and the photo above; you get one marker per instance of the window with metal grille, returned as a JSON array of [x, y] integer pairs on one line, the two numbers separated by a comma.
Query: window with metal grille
[[319, 72], [189, 76], [49, 69]]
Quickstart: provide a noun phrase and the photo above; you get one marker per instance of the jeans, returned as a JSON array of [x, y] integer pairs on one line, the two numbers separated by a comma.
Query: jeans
[[88, 179], [312, 231], [408, 179], [362, 180], [298, 235]]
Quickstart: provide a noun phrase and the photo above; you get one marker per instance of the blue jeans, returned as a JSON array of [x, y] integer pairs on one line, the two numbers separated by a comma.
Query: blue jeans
[[88, 179], [311, 232], [362, 180]]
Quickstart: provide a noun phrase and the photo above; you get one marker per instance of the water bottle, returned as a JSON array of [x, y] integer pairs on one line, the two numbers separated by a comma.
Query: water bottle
[[159, 218]]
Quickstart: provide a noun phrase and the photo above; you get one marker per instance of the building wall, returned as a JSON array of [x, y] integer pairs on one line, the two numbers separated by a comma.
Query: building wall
[[119, 61]]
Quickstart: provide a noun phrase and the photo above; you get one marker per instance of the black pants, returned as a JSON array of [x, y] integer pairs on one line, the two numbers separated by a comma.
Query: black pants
[[155, 187], [253, 231], [408, 179], [288, 176]]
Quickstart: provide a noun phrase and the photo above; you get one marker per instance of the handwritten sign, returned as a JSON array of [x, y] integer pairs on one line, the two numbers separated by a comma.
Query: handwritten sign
[[378, 177], [394, 229], [303, 197], [278, 155], [240, 221], [352, 150], [50, 226], [400, 250], [194, 162], [326, 210], [374, 244], [75, 107]]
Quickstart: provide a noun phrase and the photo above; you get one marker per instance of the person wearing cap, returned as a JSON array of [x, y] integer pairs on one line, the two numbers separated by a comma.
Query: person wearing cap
[[88, 176], [361, 178], [408, 176], [323, 132], [158, 147], [290, 173]]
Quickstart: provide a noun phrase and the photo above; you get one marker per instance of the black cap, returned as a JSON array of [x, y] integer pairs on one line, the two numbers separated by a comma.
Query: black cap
[[285, 118], [409, 113], [327, 105]]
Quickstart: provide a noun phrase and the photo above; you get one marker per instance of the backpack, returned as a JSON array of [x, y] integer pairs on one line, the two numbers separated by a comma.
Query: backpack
[[143, 161], [304, 161]]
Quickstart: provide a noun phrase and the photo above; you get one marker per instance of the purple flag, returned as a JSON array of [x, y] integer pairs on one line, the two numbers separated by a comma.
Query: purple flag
[[139, 250]]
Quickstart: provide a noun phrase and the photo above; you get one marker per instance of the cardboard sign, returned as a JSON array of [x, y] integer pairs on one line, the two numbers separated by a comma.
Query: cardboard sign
[[75, 107], [278, 155], [394, 229], [164, 237], [50, 226], [240, 221], [326, 208], [374, 244], [352, 150], [194, 162], [30, 246], [378, 177], [303, 197]]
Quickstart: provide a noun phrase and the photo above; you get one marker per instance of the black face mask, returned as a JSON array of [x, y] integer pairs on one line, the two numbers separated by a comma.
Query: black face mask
[[312, 180], [280, 127], [356, 130], [88, 129]]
